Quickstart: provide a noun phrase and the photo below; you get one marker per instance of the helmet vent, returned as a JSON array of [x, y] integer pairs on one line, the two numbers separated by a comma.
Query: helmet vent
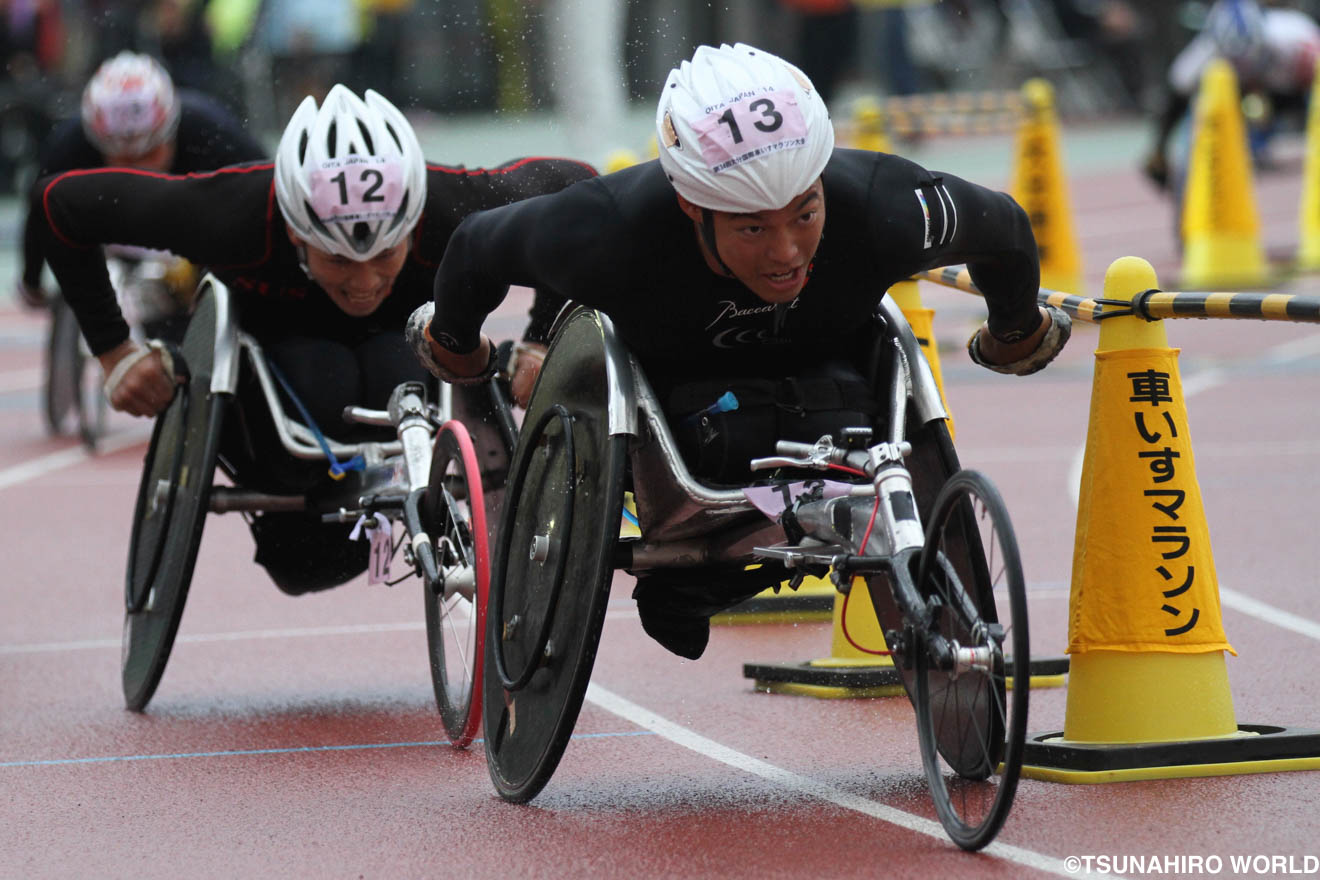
[[302, 146], [330, 132], [366, 136], [400, 214]]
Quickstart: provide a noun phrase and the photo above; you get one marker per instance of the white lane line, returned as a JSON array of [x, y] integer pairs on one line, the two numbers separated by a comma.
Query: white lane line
[[1268, 613], [708, 748], [241, 635], [20, 380], [39, 467]]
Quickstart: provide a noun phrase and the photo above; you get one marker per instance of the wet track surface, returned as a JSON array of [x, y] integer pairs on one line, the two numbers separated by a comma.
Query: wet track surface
[[299, 736]]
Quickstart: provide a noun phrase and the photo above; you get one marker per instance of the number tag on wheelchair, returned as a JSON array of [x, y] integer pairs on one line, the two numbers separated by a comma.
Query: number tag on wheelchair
[[773, 500], [380, 533]]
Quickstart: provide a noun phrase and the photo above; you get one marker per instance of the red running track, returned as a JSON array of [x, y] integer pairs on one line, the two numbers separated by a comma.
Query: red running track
[[298, 737]]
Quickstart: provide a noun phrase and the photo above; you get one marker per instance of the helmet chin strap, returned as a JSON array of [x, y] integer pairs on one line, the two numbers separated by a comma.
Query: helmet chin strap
[[301, 251], [707, 228]]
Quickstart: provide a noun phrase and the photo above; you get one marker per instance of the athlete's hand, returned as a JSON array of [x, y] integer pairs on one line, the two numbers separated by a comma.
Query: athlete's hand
[[527, 360], [469, 368], [30, 295], [140, 379], [1027, 355]]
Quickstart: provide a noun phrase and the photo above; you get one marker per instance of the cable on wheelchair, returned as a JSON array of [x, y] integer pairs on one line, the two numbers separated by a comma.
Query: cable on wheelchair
[[565, 521], [337, 469]]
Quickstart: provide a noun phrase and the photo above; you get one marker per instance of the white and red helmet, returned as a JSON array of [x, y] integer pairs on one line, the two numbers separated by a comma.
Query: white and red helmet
[[349, 175], [129, 106], [741, 130]]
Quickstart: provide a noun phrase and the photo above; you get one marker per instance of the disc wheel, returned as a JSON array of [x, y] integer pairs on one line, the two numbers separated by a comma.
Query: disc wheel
[[972, 713], [455, 518], [171, 509], [549, 590]]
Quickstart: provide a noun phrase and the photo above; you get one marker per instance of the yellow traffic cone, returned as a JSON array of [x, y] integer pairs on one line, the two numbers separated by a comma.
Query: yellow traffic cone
[[869, 126], [1148, 696], [1041, 188], [859, 664], [617, 160], [1308, 251], [1220, 225]]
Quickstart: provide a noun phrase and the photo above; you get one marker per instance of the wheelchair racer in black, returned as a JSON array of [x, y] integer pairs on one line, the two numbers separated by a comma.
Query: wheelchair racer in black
[[744, 258], [326, 252], [132, 116]]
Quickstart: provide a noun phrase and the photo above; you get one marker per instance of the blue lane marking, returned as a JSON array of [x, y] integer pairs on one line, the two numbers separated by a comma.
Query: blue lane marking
[[285, 751]]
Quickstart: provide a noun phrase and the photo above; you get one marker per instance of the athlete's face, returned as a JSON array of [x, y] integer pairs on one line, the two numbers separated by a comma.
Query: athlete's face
[[768, 251], [357, 287]]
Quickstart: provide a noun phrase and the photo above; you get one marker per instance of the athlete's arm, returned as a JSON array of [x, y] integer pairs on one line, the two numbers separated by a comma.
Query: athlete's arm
[[216, 219], [552, 243], [989, 232]]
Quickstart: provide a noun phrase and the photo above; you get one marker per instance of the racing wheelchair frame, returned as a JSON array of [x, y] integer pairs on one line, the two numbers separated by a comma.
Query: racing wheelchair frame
[[428, 478], [949, 598]]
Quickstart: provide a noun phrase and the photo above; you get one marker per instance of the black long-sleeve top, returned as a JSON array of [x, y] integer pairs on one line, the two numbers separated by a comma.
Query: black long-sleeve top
[[620, 243], [229, 221]]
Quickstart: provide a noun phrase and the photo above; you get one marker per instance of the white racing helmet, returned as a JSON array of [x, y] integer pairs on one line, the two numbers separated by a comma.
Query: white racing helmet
[[349, 175], [129, 106], [741, 130]]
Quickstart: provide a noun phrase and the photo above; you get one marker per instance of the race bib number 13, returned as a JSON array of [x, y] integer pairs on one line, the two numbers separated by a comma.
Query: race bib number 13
[[754, 125]]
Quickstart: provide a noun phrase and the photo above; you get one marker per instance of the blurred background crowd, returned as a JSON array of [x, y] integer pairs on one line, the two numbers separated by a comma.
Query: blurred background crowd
[[590, 59]]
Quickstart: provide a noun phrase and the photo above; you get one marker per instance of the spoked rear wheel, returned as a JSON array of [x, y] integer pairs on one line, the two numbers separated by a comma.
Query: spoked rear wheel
[[972, 713], [455, 517]]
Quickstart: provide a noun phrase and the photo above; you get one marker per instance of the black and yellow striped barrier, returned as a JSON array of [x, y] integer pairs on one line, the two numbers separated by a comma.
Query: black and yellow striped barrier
[[1155, 305]]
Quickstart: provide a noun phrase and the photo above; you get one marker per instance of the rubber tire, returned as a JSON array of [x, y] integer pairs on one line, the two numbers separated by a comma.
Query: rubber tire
[[163, 547], [457, 699], [994, 747]]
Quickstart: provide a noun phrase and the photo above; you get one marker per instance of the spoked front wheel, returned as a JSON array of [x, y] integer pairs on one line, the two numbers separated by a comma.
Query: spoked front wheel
[[456, 607], [972, 705]]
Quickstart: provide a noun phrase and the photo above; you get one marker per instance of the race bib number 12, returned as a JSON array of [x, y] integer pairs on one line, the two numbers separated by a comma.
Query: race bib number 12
[[356, 188]]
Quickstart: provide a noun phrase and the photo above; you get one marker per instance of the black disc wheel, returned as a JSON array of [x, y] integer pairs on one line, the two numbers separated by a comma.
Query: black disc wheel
[[971, 703], [554, 555], [454, 514], [170, 512]]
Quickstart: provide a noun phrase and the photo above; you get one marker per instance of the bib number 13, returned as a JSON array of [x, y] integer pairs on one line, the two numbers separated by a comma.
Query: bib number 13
[[769, 119]]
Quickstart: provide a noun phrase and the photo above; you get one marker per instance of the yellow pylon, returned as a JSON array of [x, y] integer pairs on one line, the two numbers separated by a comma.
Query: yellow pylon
[[869, 126], [1145, 633], [1308, 251], [1040, 186], [1220, 225], [618, 160]]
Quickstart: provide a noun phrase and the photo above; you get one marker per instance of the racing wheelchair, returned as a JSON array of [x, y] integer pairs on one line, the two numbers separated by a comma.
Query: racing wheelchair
[[949, 595], [428, 479]]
